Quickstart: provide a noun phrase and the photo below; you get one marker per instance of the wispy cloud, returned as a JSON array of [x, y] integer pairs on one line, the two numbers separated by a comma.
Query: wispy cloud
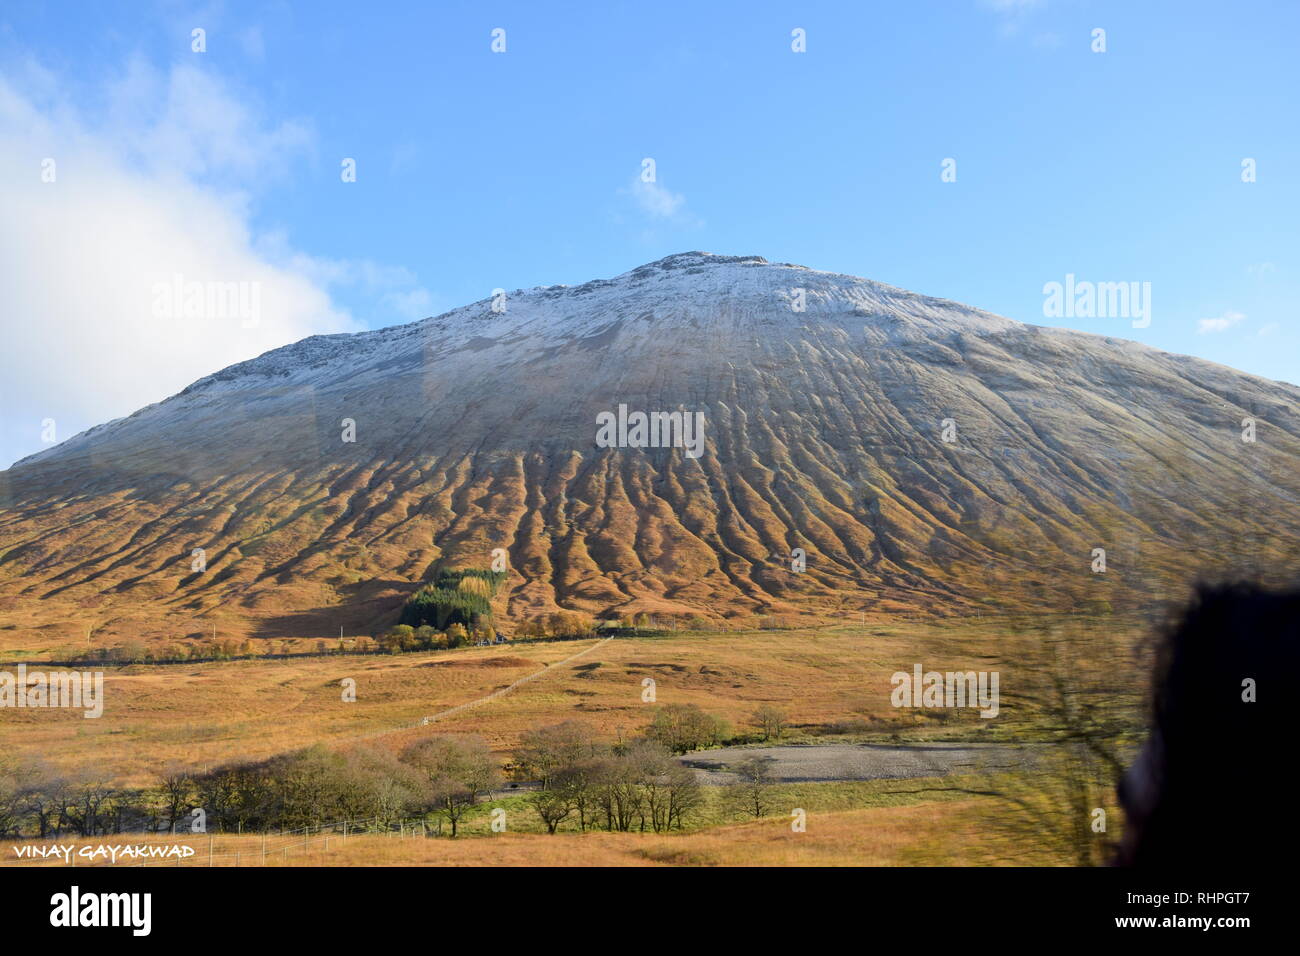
[[656, 201], [395, 290], [1219, 323]]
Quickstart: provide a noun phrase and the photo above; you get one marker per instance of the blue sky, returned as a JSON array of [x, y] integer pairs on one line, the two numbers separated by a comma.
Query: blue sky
[[478, 170]]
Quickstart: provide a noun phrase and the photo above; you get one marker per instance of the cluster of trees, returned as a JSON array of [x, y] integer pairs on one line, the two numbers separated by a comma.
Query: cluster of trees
[[442, 776], [137, 652], [595, 785], [225, 649], [623, 787], [681, 728], [562, 624], [403, 637], [293, 790], [637, 784], [430, 603], [456, 596], [36, 799], [642, 622]]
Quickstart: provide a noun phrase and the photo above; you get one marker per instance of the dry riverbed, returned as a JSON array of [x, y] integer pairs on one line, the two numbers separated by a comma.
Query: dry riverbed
[[825, 762]]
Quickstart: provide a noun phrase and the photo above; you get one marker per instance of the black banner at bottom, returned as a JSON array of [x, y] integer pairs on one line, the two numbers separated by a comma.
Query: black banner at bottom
[[141, 905]]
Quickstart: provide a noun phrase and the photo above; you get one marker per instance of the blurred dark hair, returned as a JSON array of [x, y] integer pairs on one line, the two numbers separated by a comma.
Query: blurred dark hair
[[1208, 787]]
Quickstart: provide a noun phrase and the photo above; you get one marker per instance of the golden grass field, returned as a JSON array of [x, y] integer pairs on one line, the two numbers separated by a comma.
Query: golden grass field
[[200, 715]]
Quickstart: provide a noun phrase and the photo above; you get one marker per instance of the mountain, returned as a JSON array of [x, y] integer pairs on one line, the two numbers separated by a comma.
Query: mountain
[[927, 457]]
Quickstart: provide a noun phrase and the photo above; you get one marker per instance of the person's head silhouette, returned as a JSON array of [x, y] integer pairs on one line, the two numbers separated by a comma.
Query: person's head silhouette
[[1205, 789]]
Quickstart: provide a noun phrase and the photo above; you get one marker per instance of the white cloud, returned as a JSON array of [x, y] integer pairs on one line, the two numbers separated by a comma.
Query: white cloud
[[656, 201], [1220, 323], [1269, 329], [187, 123], [154, 183]]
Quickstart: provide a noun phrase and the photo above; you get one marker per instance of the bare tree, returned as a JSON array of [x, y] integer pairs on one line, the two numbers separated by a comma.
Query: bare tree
[[617, 794], [45, 798], [378, 785], [91, 794], [750, 793], [457, 769], [544, 752], [684, 795], [16, 780], [175, 792], [770, 720], [554, 806]]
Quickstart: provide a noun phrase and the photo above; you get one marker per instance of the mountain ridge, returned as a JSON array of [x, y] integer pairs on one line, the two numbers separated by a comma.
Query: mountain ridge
[[308, 348]]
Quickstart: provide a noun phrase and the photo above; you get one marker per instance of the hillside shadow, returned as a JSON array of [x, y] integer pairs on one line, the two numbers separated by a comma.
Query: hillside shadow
[[368, 608]]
